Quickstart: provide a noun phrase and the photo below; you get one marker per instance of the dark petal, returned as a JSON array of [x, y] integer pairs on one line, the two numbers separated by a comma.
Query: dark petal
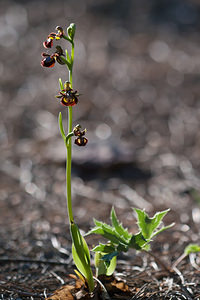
[[59, 29], [59, 60], [76, 99], [59, 50], [52, 35], [48, 62], [44, 54]]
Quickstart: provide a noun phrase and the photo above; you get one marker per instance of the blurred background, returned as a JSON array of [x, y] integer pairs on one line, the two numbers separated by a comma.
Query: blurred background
[[137, 68]]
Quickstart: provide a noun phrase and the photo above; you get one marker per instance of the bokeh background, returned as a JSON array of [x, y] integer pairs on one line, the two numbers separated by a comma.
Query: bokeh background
[[137, 68]]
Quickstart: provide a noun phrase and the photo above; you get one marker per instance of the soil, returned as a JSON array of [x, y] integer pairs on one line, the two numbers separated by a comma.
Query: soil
[[137, 70]]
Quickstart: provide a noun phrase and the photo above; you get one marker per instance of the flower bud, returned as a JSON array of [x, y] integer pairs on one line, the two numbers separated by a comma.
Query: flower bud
[[71, 31]]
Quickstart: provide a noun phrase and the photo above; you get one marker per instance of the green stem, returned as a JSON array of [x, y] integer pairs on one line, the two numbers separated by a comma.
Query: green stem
[[68, 167], [69, 149]]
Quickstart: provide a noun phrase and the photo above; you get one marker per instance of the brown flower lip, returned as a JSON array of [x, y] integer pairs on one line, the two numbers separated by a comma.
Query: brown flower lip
[[81, 141], [48, 62]]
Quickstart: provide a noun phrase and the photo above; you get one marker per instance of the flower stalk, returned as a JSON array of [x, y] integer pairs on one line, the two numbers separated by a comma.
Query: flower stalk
[[69, 98]]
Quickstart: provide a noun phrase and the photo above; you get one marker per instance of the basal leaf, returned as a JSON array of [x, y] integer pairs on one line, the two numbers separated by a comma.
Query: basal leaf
[[105, 267], [81, 255], [80, 244], [112, 266]]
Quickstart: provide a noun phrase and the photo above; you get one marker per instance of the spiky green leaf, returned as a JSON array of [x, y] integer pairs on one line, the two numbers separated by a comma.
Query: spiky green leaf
[[105, 248], [137, 241], [148, 225], [119, 227]]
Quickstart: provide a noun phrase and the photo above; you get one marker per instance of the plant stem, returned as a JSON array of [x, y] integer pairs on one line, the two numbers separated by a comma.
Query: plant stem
[[68, 167], [69, 150]]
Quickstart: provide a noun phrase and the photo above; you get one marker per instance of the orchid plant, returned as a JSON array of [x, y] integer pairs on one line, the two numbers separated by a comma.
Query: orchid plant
[[119, 239], [68, 98]]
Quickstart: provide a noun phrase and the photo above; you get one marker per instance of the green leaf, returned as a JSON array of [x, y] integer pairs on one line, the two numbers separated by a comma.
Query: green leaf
[[80, 244], [149, 225], [106, 231], [81, 255], [138, 241], [68, 56], [61, 126], [162, 229], [105, 248], [113, 263], [118, 226], [110, 233], [61, 84], [192, 248], [104, 267], [121, 247], [108, 257]]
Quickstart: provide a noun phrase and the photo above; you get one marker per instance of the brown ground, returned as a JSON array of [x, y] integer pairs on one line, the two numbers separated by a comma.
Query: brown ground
[[137, 68]]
